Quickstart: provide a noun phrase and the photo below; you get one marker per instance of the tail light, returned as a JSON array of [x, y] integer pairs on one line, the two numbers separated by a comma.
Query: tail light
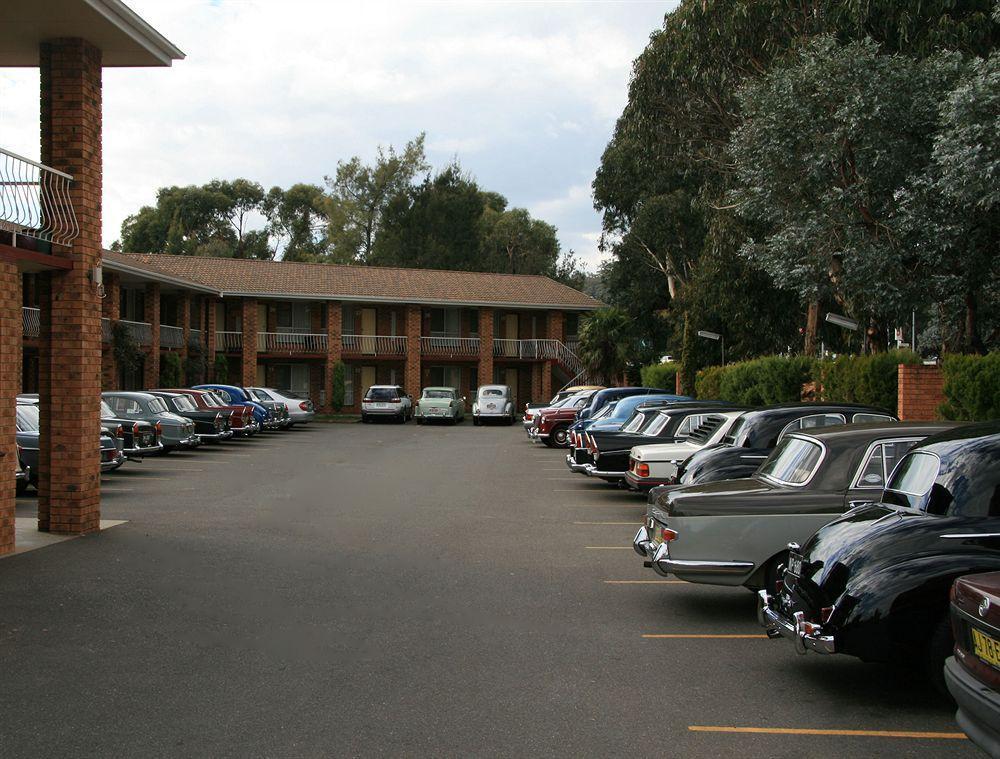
[[218, 421], [120, 432], [825, 613], [667, 534], [303, 406], [642, 470], [159, 428], [395, 400], [135, 428]]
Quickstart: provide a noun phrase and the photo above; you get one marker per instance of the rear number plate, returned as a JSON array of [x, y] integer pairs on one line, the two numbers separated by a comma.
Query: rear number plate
[[986, 647], [795, 564]]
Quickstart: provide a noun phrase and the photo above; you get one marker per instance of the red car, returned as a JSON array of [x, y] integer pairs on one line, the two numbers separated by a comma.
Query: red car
[[973, 673], [241, 421], [550, 425]]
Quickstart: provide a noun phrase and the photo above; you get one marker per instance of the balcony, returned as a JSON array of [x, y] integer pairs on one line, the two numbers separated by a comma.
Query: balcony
[[291, 342], [374, 345], [229, 341], [35, 201], [194, 338], [31, 322], [171, 337], [140, 332], [449, 346]]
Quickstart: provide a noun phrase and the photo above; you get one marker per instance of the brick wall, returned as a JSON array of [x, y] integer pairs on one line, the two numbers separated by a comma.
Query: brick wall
[[485, 346], [10, 384], [151, 366], [248, 364], [209, 325], [921, 392], [334, 350], [555, 329], [411, 372], [110, 308], [70, 344]]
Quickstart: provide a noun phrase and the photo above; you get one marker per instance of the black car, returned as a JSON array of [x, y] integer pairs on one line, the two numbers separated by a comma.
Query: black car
[[875, 583], [138, 438], [753, 436], [208, 425], [611, 449]]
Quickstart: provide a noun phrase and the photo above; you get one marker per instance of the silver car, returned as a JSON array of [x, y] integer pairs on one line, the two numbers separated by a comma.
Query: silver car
[[300, 408], [493, 402]]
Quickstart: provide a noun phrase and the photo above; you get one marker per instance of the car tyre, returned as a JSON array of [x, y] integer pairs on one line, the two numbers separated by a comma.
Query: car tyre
[[559, 436], [475, 421]]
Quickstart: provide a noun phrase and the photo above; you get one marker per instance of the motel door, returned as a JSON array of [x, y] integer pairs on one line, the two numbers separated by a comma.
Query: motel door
[[367, 378], [510, 378], [368, 329]]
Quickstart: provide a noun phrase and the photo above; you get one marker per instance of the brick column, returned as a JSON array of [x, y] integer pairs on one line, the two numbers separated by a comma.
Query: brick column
[[10, 385], [411, 374], [920, 392], [546, 382], [485, 346], [70, 345], [248, 368], [208, 324], [184, 304], [110, 310], [556, 327], [151, 373], [334, 349]]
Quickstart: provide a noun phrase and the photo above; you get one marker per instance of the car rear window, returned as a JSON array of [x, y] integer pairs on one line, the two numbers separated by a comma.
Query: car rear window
[[183, 403], [157, 406], [439, 394], [106, 410], [491, 392], [915, 474], [793, 462], [381, 394], [27, 418]]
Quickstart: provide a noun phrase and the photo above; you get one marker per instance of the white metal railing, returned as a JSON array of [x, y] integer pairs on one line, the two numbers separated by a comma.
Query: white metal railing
[[291, 342], [171, 336], [194, 337], [35, 200], [449, 346], [546, 350], [229, 341], [375, 345], [31, 319], [141, 332]]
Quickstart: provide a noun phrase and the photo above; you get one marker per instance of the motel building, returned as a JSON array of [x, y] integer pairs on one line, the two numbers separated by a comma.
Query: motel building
[[68, 307]]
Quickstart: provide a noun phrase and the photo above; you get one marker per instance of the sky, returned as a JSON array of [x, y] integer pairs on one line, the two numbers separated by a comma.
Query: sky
[[524, 95]]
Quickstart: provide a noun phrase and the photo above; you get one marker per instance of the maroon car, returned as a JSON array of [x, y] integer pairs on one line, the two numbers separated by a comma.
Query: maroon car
[[551, 424], [241, 421], [973, 673]]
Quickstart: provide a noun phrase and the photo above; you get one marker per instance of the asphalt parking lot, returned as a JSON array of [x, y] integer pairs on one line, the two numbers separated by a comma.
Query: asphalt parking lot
[[401, 590]]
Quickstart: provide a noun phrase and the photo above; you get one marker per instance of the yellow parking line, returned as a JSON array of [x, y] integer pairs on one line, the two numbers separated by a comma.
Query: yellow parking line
[[610, 548], [646, 582], [705, 636], [814, 731]]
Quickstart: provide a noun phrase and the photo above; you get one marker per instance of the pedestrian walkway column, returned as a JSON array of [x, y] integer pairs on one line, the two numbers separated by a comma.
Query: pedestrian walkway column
[[334, 349], [411, 374], [151, 373], [248, 369], [485, 346], [10, 384]]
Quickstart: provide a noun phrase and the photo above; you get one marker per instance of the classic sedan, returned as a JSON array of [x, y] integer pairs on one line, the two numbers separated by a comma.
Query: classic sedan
[[241, 419], [439, 404], [643, 414], [736, 532], [493, 402], [232, 395], [277, 410], [566, 392], [551, 425], [175, 431], [973, 673], [300, 408], [208, 425], [875, 583]]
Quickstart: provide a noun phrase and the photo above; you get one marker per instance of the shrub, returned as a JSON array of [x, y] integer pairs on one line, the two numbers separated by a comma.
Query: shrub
[[194, 366], [971, 387], [707, 383], [220, 369], [170, 370], [128, 354], [869, 379], [760, 382], [660, 375], [337, 399]]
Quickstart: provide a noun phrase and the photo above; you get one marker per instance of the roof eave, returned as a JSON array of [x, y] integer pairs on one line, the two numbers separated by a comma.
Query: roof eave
[[141, 32], [415, 301], [157, 276]]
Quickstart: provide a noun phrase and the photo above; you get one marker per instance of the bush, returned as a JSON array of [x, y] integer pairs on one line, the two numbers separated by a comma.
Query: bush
[[220, 369], [194, 366], [760, 382], [170, 370], [660, 375], [339, 390], [128, 355], [707, 383], [872, 380], [971, 387]]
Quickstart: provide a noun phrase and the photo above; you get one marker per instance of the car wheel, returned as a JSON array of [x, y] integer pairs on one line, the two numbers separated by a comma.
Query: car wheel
[[559, 436], [475, 421], [939, 647]]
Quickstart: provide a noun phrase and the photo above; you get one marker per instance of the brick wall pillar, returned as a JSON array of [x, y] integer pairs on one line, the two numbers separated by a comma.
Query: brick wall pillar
[[556, 327], [334, 350], [10, 385], [920, 392], [485, 346], [110, 310], [208, 324], [546, 382], [151, 374], [411, 374], [184, 304], [69, 498], [248, 368]]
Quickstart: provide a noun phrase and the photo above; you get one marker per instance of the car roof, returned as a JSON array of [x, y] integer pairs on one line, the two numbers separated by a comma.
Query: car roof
[[137, 395], [438, 387], [848, 433]]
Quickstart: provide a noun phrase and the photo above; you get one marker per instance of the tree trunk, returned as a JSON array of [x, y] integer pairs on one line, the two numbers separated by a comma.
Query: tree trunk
[[812, 327], [973, 343]]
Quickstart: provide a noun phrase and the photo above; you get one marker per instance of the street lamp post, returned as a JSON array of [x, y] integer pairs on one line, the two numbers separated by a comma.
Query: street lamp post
[[843, 321], [715, 336]]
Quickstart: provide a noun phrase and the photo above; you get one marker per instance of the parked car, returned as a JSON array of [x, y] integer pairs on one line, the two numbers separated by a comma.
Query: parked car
[[387, 402], [755, 434], [241, 418], [277, 410], [551, 425], [21, 474], [139, 438], [973, 673], [175, 431], [232, 395], [609, 394], [657, 464], [875, 583], [736, 532], [493, 402], [300, 408], [644, 411], [439, 403], [566, 392], [208, 425]]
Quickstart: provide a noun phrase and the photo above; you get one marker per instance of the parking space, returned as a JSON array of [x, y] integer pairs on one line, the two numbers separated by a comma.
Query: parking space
[[389, 589]]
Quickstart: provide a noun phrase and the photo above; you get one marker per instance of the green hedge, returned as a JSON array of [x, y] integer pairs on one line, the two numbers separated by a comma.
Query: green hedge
[[864, 379], [220, 369], [971, 387], [660, 375], [762, 381], [170, 370]]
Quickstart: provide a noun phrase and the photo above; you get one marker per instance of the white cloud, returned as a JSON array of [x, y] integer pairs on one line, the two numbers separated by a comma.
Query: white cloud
[[525, 94]]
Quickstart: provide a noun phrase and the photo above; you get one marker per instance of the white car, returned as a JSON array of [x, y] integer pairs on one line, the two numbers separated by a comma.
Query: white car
[[389, 401], [493, 402], [652, 465], [300, 408]]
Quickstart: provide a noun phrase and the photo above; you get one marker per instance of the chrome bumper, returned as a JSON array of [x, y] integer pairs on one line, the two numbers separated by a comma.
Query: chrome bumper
[[591, 470], [117, 461], [642, 544], [805, 635], [664, 565], [140, 451], [224, 435], [573, 464], [22, 474], [247, 429], [191, 441]]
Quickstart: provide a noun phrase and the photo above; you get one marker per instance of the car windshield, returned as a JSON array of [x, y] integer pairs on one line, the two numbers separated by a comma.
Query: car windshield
[[27, 418], [261, 395], [635, 423], [605, 412], [157, 406], [381, 394], [793, 461], [915, 474], [657, 425], [183, 403], [293, 394], [441, 394]]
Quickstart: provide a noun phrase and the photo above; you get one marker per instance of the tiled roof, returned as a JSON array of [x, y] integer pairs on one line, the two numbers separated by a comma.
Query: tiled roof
[[250, 277]]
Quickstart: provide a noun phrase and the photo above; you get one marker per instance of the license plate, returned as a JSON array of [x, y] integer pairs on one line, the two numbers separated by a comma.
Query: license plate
[[380, 405], [655, 531], [986, 647], [491, 406], [795, 564], [434, 411]]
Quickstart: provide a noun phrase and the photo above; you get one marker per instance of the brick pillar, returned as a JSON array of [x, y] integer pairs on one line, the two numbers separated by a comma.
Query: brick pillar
[[110, 308], [920, 392], [151, 373], [536, 382], [411, 374], [334, 350], [485, 346], [184, 304], [546, 382], [10, 385], [556, 327], [208, 324], [70, 345], [248, 368]]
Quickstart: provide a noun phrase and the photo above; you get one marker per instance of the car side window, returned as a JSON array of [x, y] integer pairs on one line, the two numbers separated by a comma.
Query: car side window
[[224, 395], [873, 470], [866, 417], [690, 424], [813, 421]]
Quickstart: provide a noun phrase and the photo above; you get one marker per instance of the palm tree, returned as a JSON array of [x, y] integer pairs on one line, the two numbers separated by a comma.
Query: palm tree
[[607, 343]]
